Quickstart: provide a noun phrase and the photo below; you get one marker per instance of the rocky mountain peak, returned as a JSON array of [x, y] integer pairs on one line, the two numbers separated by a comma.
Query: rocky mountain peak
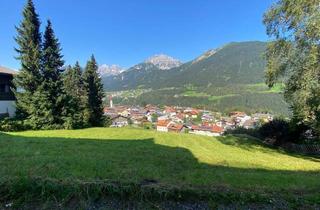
[[110, 70], [163, 62]]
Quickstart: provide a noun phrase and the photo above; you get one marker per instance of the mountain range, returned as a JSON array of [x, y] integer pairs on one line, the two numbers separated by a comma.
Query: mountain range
[[234, 63], [110, 70], [227, 78]]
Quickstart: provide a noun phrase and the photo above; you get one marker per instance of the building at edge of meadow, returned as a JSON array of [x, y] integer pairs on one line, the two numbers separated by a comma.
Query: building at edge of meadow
[[7, 98]]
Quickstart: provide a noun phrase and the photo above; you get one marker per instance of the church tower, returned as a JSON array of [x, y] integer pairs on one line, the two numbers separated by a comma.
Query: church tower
[[111, 102]]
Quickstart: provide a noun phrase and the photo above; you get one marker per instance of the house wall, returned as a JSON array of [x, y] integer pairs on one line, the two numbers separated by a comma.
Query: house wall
[[162, 129], [8, 107], [204, 133]]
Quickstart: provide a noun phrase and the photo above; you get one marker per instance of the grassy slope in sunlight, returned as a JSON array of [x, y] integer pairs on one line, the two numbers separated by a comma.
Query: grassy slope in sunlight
[[132, 155]]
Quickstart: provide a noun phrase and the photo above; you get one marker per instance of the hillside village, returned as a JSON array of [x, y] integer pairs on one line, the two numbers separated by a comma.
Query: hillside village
[[182, 119]]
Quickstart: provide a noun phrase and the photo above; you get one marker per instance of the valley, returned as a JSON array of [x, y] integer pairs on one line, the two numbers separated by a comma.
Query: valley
[[225, 79]]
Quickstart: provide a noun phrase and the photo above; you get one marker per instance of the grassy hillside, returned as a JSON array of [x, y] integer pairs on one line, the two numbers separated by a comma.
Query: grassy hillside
[[248, 97], [162, 161]]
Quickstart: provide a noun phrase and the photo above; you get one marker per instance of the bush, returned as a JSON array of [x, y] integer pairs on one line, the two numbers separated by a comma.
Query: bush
[[281, 131], [9, 125], [107, 121], [276, 130], [240, 130]]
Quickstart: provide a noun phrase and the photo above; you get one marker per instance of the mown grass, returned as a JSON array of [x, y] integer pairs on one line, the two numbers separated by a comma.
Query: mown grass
[[258, 88], [165, 160], [263, 88]]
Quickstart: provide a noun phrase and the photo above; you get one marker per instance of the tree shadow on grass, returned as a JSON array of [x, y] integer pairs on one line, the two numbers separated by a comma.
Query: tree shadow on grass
[[137, 161]]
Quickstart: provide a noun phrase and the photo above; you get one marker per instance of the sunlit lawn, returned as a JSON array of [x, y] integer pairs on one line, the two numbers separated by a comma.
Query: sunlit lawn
[[134, 155]]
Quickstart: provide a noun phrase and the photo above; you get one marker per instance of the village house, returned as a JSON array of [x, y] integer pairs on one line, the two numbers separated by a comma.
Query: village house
[[249, 124], [163, 118], [110, 112], [7, 98], [191, 113], [162, 125], [120, 121], [177, 119], [262, 117], [213, 130], [207, 117], [176, 128], [226, 123]]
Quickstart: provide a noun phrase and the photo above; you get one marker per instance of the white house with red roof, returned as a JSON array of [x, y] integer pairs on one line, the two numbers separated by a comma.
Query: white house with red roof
[[213, 130], [162, 125]]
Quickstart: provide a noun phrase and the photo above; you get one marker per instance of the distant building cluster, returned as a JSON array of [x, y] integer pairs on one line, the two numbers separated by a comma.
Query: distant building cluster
[[182, 119]]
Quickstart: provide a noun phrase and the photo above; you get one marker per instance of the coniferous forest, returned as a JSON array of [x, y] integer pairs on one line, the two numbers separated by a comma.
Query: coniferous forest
[[50, 95]]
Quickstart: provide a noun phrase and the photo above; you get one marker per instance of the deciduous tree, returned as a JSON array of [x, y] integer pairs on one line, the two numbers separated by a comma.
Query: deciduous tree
[[294, 56]]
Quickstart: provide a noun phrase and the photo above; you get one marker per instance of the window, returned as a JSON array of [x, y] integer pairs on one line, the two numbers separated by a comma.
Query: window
[[2, 88], [7, 89]]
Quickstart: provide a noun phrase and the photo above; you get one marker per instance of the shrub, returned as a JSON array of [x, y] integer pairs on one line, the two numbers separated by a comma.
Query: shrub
[[107, 121], [8, 125], [240, 130], [302, 133], [278, 130]]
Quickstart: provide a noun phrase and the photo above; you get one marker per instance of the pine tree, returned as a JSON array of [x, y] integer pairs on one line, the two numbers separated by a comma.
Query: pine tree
[[29, 54], [94, 92], [74, 88], [51, 87]]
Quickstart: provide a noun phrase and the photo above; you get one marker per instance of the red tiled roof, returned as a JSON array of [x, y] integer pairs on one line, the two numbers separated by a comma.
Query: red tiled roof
[[214, 128], [181, 116], [163, 123], [237, 114], [175, 127], [217, 129]]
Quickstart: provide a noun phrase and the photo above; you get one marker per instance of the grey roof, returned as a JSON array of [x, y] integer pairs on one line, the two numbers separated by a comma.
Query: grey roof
[[4, 70]]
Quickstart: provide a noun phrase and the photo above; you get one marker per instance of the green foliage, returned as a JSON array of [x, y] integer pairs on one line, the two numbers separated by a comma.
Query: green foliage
[[47, 98], [254, 132], [107, 121], [74, 88], [9, 125], [29, 54], [277, 130], [294, 56], [246, 101], [50, 95], [94, 94], [154, 117], [147, 125]]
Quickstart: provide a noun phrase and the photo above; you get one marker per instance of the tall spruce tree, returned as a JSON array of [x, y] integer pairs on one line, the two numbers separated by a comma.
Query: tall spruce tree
[[29, 54], [94, 92], [51, 88], [74, 88]]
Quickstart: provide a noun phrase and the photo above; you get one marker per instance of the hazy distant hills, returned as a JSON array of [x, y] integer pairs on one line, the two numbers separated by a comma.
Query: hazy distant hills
[[234, 63]]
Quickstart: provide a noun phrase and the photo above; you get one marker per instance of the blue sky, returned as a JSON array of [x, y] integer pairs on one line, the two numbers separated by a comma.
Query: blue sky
[[126, 32]]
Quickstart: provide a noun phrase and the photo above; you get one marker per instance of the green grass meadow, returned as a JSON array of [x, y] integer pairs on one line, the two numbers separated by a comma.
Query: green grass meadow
[[148, 158]]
